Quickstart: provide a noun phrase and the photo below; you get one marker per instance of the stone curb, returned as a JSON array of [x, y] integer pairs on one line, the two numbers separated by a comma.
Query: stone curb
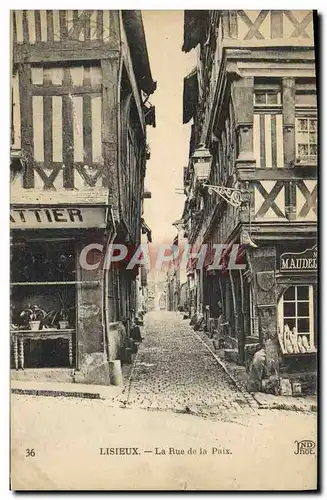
[[54, 393], [248, 396], [278, 405], [69, 390]]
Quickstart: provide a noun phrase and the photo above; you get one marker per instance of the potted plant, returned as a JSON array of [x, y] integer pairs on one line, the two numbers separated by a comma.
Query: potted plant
[[56, 319], [63, 319], [34, 314]]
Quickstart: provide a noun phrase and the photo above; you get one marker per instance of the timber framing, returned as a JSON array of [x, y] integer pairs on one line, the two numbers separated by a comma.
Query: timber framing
[[282, 230], [57, 52], [269, 174], [234, 55], [54, 90]]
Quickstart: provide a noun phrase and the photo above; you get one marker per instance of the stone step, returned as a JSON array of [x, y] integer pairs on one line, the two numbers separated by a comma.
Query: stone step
[[231, 355]]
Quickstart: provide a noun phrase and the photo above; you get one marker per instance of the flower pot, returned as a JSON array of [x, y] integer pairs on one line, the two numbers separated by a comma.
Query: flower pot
[[63, 324], [35, 325]]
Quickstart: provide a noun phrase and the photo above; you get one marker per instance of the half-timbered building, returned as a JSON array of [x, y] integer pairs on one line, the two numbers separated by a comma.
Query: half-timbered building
[[253, 107], [81, 81]]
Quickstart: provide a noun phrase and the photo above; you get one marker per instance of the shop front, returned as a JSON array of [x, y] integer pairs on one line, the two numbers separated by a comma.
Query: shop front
[[58, 321], [297, 304], [283, 287], [272, 304]]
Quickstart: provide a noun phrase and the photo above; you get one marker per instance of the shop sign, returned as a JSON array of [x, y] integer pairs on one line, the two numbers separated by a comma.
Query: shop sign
[[57, 217], [302, 261]]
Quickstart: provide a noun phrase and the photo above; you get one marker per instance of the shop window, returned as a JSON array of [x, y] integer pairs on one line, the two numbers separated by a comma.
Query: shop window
[[306, 139], [296, 320], [43, 302]]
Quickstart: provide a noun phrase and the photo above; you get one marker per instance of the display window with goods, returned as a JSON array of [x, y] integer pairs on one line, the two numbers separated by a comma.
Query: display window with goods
[[43, 302]]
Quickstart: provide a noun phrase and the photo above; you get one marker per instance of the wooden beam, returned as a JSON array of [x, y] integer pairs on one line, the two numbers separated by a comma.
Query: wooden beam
[[68, 50], [99, 24], [110, 71], [50, 25], [114, 28], [242, 99], [87, 120], [278, 174], [276, 23], [236, 49], [288, 92], [47, 121], [52, 90], [26, 110], [67, 135]]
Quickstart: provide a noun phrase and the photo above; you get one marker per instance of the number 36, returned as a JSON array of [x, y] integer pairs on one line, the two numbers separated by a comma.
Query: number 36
[[30, 452]]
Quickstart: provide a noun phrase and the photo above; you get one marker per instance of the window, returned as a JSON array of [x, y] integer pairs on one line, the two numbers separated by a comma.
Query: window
[[43, 302], [296, 319], [306, 138], [306, 121], [268, 98]]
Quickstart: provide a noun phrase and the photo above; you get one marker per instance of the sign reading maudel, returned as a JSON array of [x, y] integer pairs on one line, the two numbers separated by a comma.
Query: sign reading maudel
[[302, 261]]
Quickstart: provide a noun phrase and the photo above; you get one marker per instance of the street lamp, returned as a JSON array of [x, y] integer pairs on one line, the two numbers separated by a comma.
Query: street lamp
[[234, 197], [201, 159], [202, 162]]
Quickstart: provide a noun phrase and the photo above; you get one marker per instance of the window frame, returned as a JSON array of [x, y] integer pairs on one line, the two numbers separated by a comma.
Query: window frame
[[267, 91], [311, 318], [305, 111], [305, 114]]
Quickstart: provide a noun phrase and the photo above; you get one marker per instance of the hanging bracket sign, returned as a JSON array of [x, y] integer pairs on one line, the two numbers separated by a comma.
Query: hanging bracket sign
[[57, 217], [302, 261]]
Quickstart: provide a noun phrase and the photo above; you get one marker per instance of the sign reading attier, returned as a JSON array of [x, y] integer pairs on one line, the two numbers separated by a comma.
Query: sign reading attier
[[55, 217], [303, 261]]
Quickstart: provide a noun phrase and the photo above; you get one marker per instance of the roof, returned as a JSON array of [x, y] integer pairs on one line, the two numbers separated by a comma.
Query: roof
[[194, 28], [135, 34], [190, 95]]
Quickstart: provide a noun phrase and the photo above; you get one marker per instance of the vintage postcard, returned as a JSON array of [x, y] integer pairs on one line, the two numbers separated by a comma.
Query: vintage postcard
[[163, 217]]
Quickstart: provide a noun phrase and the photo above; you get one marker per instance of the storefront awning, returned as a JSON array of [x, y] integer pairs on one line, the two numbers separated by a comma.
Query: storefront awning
[[194, 28], [190, 95]]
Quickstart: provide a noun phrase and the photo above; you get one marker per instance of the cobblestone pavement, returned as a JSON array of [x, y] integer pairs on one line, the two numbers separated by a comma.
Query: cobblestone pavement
[[174, 370]]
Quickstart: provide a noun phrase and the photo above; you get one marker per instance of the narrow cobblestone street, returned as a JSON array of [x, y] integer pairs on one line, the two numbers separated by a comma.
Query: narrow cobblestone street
[[174, 370], [195, 407]]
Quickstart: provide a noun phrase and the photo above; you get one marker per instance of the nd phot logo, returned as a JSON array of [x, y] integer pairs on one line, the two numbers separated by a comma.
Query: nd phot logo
[[305, 447]]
